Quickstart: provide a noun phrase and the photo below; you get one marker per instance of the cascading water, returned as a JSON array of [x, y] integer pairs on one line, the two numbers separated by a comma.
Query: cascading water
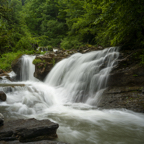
[[69, 97], [27, 68], [83, 77]]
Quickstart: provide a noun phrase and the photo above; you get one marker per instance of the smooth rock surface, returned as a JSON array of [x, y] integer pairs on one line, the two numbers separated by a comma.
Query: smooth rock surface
[[2, 96], [28, 130]]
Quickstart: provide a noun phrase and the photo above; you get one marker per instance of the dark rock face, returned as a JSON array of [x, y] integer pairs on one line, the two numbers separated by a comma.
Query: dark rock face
[[126, 84], [28, 130], [16, 67], [1, 71], [1, 119], [47, 61], [131, 98], [2, 96]]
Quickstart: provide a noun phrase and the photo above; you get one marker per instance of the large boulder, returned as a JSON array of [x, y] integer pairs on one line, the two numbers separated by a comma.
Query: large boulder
[[1, 119], [2, 96], [28, 130]]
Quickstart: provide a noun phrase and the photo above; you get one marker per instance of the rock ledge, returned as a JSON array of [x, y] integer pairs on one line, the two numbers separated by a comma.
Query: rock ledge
[[28, 130]]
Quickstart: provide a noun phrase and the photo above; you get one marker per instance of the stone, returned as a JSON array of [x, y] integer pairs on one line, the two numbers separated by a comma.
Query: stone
[[16, 67], [2, 96], [4, 74], [28, 130], [1, 119], [1, 71]]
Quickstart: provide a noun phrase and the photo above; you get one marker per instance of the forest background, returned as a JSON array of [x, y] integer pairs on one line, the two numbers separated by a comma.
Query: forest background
[[68, 24]]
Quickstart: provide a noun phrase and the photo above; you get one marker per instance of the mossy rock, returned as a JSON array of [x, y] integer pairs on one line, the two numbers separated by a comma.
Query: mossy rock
[[17, 59], [38, 61]]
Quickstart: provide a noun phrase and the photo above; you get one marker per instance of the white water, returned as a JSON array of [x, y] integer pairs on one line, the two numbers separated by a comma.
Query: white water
[[27, 68], [69, 96]]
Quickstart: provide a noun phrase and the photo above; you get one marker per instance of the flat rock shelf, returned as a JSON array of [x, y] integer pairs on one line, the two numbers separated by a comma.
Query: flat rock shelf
[[28, 130]]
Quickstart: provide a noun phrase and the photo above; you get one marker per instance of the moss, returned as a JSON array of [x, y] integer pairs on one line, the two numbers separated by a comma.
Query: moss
[[37, 61], [8, 59], [53, 61], [16, 59]]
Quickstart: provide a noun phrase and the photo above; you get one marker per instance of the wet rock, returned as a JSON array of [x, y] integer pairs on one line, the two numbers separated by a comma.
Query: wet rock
[[4, 74], [126, 83], [16, 66], [28, 130], [2, 96], [1, 119], [130, 98], [1, 71], [44, 64]]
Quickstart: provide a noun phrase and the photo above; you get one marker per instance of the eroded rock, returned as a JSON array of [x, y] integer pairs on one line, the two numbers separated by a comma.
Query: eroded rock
[[28, 130]]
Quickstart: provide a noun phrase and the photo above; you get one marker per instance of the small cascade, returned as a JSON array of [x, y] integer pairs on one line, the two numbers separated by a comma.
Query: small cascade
[[83, 77], [27, 68]]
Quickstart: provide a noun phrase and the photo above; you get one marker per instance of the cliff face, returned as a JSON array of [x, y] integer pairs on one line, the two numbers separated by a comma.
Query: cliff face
[[126, 83]]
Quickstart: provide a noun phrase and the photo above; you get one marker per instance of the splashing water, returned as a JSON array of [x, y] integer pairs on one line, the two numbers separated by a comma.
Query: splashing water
[[69, 96]]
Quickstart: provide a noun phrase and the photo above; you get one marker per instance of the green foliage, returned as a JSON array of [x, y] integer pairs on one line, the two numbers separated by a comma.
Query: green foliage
[[37, 61], [70, 23], [41, 18], [142, 59], [53, 61], [25, 43], [14, 34], [7, 59], [50, 48], [70, 42]]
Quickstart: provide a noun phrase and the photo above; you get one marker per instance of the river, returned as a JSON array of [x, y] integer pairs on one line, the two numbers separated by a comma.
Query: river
[[69, 96]]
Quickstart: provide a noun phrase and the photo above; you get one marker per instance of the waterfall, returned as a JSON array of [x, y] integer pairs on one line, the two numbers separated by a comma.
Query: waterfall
[[69, 96], [83, 77], [27, 68]]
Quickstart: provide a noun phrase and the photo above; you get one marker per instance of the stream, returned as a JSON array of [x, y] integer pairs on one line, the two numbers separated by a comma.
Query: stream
[[69, 96]]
